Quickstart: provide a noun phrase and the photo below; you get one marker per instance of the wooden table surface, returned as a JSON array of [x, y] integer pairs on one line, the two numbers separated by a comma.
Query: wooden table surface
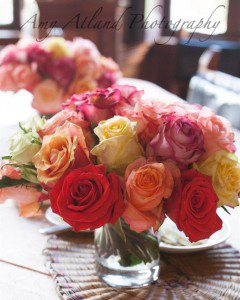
[[22, 272]]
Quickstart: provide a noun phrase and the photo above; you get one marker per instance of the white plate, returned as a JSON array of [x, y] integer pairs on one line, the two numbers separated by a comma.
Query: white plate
[[54, 218], [169, 229]]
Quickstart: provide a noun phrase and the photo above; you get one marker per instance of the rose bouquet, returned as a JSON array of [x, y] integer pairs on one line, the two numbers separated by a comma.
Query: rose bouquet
[[55, 69], [114, 162]]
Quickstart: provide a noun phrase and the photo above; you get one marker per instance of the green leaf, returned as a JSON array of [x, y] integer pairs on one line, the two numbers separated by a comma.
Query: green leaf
[[134, 260], [22, 128], [9, 182], [7, 157], [225, 209], [29, 166], [35, 141], [9, 164]]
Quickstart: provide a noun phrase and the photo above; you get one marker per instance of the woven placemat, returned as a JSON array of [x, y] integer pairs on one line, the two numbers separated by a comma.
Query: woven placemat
[[214, 274]]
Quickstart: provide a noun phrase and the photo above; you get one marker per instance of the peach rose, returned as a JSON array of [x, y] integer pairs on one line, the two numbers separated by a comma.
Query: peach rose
[[27, 199], [14, 77], [147, 184], [87, 67], [64, 149], [71, 116], [47, 97], [217, 131], [79, 86]]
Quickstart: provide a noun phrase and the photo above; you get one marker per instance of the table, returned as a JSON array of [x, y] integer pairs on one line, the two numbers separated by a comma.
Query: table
[[22, 272]]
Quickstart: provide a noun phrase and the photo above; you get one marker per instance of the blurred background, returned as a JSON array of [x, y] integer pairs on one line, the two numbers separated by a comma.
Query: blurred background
[[190, 48]]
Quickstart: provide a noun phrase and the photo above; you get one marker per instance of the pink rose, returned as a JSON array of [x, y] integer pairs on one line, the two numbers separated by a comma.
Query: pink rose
[[13, 54], [27, 199], [144, 114], [149, 122], [130, 94], [60, 118], [217, 131], [178, 139], [106, 79], [62, 70], [95, 106], [9, 171], [110, 72], [47, 97], [40, 57], [71, 116], [128, 106], [14, 77], [176, 108]]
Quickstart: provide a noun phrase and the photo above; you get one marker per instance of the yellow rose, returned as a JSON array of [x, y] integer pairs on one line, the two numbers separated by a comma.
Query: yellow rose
[[118, 145], [224, 169], [116, 126], [58, 46]]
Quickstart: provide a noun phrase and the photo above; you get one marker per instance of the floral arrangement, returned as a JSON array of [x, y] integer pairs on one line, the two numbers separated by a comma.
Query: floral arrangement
[[55, 69], [110, 155]]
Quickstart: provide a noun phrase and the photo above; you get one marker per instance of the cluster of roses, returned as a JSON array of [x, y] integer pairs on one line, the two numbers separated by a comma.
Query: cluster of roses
[[111, 154], [54, 70]]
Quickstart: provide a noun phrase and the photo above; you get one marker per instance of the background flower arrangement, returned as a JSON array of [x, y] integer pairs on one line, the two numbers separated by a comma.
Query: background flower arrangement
[[147, 160], [55, 69]]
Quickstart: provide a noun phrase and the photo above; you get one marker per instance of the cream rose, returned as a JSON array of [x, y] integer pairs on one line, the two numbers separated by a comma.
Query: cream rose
[[22, 148]]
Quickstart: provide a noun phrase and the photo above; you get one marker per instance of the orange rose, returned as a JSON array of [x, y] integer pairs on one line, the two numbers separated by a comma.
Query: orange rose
[[87, 67], [64, 149], [82, 85], [146, 186]]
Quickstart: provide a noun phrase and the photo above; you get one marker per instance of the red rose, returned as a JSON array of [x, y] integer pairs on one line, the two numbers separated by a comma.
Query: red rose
[[193, 206], [88, 198]]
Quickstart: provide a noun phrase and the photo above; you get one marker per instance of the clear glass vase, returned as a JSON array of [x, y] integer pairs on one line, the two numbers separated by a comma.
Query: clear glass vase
[[125, 258]]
